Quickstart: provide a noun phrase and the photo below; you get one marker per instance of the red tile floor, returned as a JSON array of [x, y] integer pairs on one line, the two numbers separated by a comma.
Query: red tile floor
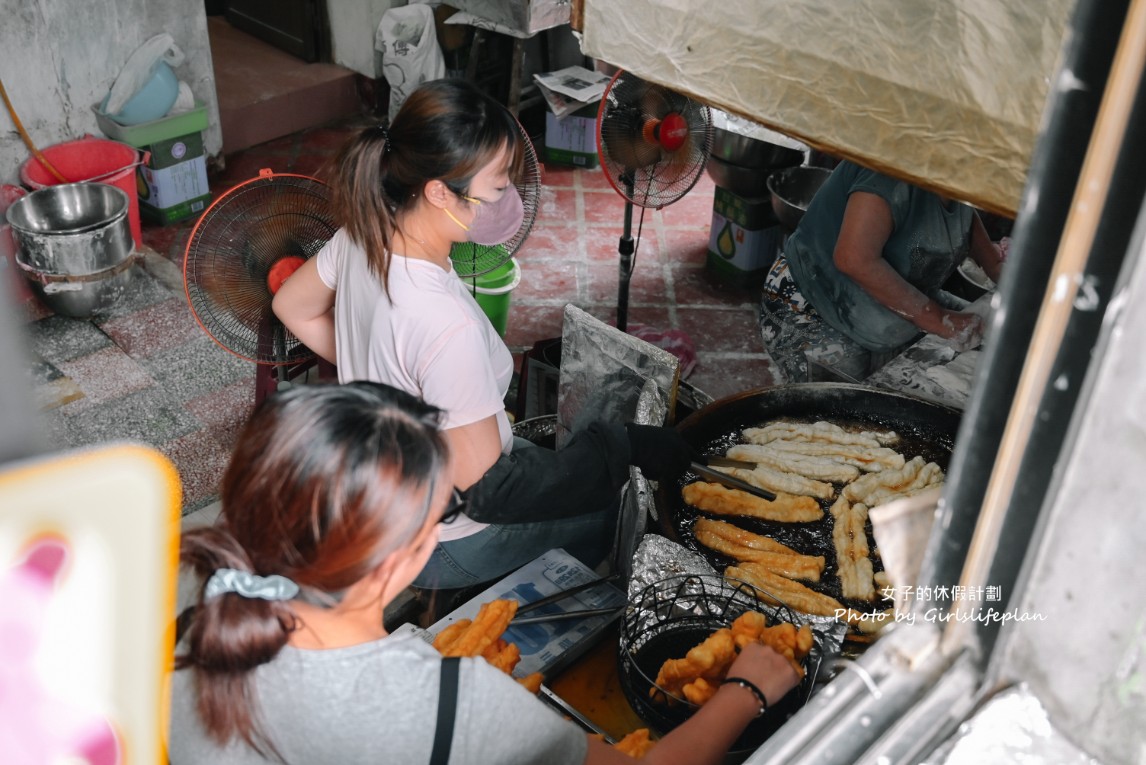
[[146, 372]]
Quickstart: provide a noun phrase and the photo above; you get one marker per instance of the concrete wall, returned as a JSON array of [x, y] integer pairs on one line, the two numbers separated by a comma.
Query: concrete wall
[[58, 57]]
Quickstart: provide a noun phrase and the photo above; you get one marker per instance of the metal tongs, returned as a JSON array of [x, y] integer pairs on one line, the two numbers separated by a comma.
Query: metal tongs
[[558, 596], [705, 470]]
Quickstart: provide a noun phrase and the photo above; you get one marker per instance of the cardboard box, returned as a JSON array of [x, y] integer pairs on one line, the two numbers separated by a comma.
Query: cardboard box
[[745, 237], [572, 140], [173, 183]]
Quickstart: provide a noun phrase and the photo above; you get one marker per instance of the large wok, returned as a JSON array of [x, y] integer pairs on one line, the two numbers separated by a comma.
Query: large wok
[[926, 428]]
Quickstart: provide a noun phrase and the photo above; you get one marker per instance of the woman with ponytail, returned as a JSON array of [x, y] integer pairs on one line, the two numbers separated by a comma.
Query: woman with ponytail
[[331, 505], [383, 302]]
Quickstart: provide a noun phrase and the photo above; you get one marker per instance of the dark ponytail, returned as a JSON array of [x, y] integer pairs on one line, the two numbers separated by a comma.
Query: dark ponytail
[[325, 483], [446, 130], [228, 637]]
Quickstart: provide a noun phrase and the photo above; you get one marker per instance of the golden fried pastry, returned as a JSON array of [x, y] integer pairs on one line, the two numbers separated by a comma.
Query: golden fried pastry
[[481, 636], [870, 459], [491, 620], [824, 432], [790, 564], [777, 481], [715, 498], [699, 674], [636, 744], [733, 534], [819, 468], [775, 589], [531, 682]]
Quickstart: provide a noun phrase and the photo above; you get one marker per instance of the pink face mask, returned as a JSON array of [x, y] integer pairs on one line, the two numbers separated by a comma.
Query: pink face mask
[[494, 222]]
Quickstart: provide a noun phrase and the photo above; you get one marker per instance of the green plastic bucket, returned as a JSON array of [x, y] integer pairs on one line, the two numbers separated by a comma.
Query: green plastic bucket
[[492, 292]]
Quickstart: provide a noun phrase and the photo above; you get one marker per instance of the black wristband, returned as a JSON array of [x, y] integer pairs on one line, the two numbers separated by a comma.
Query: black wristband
[[759, 694]]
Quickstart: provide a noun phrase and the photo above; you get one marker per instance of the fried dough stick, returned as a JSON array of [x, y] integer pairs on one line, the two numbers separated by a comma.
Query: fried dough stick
[[791, 565], [852, 554], [709, 660], [764, 477], [818, 468], [858, 490], [491, 620], [714, 498], [775, 589], [791, 643], [735, 535], [825, 432], [870, 459]]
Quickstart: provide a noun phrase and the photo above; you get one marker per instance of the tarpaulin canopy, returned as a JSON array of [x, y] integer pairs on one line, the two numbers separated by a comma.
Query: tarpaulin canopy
[[948, 95]]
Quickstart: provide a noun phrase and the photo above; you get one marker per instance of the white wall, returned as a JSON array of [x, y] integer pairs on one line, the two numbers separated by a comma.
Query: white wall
[[58, 57]]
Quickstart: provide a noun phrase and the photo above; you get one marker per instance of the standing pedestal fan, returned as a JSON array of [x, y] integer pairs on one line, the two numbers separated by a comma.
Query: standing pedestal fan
[[240, 252], [259, 232], [653, 144]]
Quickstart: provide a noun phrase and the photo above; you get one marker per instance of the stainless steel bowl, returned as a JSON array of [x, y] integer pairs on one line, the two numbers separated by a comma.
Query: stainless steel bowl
[[74, 245], [747, 182], [792, 190], [745, 151]]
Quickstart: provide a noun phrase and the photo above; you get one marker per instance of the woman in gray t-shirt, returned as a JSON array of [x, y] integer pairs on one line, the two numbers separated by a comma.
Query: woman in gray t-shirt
[[331, 505], [859, 277]]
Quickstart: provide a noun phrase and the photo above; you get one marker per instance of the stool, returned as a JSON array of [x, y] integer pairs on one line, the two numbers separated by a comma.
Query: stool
[[519, 96], [268, 378]]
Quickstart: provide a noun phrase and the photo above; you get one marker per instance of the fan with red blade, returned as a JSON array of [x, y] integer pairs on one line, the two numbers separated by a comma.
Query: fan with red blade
[[653, 144]]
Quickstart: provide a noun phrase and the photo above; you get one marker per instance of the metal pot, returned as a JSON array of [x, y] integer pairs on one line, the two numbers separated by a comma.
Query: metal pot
[[746, 182], [74, 245], [746, 151], [792, 190]]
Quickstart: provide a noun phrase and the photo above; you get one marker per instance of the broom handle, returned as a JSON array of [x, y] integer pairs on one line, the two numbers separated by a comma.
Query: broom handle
[[27, 138]]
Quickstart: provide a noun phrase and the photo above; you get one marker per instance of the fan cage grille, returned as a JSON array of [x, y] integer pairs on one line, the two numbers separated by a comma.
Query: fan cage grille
[[643, 172], [472, 260], [230, 252]]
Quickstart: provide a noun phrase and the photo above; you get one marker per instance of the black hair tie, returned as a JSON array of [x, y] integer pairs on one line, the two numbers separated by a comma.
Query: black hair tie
[[380, 131]]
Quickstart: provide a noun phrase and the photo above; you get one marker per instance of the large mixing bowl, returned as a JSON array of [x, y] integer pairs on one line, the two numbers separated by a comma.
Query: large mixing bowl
[[746, 151], [792, 190], [748, 182], [74, 245]]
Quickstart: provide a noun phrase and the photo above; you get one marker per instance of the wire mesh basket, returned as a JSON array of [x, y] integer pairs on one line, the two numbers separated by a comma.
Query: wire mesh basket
[[668, 618]]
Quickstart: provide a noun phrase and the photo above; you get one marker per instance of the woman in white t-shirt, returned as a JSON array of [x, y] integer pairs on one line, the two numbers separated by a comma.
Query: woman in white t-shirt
[[286, 658], [383, 303]]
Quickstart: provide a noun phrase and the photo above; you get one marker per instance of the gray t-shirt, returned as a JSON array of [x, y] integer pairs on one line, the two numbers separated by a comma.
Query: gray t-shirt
[[377, 703], [928, 241]]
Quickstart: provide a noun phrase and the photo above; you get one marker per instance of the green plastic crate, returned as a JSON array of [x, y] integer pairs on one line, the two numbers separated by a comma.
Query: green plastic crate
[[147, 133]]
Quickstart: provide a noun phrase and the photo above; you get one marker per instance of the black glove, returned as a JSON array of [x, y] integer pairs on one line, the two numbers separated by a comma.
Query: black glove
[[661, 453]]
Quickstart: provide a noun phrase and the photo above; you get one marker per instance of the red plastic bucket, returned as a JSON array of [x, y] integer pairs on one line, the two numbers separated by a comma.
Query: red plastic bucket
[[90, 159]]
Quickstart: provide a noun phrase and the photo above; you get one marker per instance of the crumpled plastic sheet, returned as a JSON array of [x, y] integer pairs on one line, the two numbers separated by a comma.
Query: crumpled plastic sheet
[[1012, 727], [658, 558], [603, 372], [946, 95]]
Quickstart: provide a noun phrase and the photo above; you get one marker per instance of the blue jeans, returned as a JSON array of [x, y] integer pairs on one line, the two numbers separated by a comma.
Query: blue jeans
[[500, 549]]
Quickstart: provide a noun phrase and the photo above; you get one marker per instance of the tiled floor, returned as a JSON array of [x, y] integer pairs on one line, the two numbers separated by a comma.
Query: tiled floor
[[145, 371]]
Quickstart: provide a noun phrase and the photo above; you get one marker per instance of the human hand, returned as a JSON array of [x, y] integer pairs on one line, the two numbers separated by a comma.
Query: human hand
[[768, 670], [660, 452], [963, 329]]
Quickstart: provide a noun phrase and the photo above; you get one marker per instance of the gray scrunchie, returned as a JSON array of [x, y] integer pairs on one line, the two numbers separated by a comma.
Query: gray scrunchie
[[248, 585]]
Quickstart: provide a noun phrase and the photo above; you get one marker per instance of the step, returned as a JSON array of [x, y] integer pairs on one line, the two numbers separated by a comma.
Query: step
[[265, 93]]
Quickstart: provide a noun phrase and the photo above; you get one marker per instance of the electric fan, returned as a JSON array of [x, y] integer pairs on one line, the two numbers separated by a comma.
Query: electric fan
[[242, 249], [653, 144], [472, 260]]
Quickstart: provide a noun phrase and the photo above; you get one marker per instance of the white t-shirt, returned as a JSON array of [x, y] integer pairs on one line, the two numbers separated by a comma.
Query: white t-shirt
[[430, 338]]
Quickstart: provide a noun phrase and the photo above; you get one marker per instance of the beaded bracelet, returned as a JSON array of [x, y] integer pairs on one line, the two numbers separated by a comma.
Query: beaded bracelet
[[759, 694]]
